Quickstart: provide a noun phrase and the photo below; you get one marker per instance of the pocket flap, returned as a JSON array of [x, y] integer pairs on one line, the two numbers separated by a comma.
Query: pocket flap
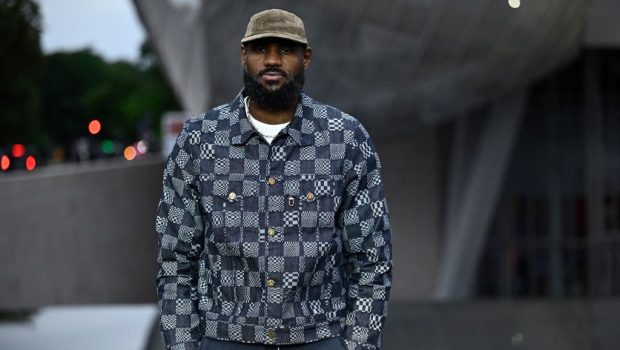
[[311, 190], [232, 190]]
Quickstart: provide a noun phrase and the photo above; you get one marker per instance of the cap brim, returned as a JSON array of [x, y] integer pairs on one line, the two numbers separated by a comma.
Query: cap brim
[[274, 35]]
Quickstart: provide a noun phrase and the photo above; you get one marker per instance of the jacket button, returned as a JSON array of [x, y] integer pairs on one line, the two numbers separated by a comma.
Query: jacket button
[[310, 196], [271, 333], [271, 181], [271, 282], [232, 196], [271, 231]]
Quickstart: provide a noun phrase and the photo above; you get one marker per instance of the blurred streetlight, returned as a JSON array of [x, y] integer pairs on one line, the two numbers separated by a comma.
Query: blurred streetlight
[[142, 147], [5, 162], [107, 146], [31, 163], [18, 150], [515, 4], [94, 127], [130, 153]]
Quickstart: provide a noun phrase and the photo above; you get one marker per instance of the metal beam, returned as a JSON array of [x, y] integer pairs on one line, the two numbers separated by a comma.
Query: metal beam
[[471, 215], [177, 31]]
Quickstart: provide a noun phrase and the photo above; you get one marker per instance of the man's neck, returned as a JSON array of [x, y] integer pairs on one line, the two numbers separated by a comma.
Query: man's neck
[[269, 116]]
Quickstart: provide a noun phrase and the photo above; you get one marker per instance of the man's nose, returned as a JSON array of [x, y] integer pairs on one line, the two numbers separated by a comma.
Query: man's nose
[[272, 57]]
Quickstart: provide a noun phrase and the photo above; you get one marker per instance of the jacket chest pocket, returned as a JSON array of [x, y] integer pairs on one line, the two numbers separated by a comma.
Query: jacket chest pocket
[[309, 204], [233, 208]]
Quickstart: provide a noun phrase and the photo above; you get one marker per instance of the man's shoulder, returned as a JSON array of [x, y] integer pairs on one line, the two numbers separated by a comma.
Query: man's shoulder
[[209, 120], [335, 119]]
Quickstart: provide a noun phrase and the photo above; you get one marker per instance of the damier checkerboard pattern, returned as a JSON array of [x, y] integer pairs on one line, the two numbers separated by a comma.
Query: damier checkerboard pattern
[[276, 244]]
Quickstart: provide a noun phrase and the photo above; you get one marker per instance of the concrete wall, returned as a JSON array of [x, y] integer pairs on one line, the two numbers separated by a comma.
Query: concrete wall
[[504, 325], [603, 30], [412, 186], [79, 234], [75, 234]]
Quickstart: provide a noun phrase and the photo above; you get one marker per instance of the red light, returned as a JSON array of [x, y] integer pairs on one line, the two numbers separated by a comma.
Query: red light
[[5, 163], [18, 150], [31, 163], [94, 127]]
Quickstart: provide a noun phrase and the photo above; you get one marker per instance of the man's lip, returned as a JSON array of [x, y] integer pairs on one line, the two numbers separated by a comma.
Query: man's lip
[[272, 76]]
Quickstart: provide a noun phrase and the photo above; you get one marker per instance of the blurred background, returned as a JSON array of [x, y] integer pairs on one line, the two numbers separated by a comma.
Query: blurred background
[[497, 123]]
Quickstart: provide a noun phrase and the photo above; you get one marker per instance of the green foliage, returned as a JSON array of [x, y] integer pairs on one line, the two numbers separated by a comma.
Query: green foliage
[[69, 79], [80, 86], [48, 101], [20, 71]]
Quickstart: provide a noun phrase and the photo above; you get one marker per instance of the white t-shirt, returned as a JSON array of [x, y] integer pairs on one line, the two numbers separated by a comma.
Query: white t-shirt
[[268, 131]]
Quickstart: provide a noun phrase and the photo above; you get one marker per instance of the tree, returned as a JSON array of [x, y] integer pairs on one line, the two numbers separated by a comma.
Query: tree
[[47, 101], [69, 80], [21, 63], [124, 96]]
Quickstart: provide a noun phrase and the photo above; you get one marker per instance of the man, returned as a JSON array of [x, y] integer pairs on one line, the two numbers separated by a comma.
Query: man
[[273, 226]]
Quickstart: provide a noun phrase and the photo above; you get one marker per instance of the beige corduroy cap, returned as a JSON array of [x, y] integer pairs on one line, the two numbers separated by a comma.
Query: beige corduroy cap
[[275, 23]]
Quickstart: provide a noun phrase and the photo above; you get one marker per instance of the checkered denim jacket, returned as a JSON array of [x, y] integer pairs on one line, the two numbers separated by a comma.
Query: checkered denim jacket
[[276, 244]]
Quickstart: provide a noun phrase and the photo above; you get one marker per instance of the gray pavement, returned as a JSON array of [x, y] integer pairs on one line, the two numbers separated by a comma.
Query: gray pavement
[[109, 327], [578, 324]]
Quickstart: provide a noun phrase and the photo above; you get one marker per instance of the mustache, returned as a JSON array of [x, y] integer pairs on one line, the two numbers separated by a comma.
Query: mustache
[[273, 70]]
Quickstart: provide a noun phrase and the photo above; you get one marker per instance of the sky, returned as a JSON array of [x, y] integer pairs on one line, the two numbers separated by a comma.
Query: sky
[[110, 27]]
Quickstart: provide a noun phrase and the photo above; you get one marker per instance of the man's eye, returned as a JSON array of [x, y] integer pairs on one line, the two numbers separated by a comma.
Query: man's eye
[[285, 50], [259, 49]]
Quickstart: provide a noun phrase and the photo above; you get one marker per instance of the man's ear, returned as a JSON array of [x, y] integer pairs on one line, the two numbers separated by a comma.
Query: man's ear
[[243, 55], [307, 57]]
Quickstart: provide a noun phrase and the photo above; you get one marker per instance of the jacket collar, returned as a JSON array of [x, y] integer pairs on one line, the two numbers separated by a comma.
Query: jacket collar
[[241, 130]]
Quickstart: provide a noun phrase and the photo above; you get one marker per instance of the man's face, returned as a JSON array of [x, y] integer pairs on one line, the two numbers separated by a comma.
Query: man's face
[[274, 71]]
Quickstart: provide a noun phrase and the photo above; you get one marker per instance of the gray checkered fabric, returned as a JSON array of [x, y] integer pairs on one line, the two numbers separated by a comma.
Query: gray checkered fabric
[[285, 243]]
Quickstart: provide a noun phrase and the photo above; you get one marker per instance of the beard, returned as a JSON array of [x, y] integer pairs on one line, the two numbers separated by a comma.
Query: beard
[[279, 99]]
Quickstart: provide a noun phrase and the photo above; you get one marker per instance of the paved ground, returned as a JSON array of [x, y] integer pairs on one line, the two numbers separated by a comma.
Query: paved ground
[[484, 325], [504, 324], [81, 327]]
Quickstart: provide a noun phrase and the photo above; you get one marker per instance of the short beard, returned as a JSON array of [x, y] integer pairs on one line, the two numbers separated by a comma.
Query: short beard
[[284, 98]]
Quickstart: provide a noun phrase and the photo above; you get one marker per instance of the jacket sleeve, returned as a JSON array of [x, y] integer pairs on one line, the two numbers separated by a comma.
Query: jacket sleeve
[[367, 246], [179, 226]]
